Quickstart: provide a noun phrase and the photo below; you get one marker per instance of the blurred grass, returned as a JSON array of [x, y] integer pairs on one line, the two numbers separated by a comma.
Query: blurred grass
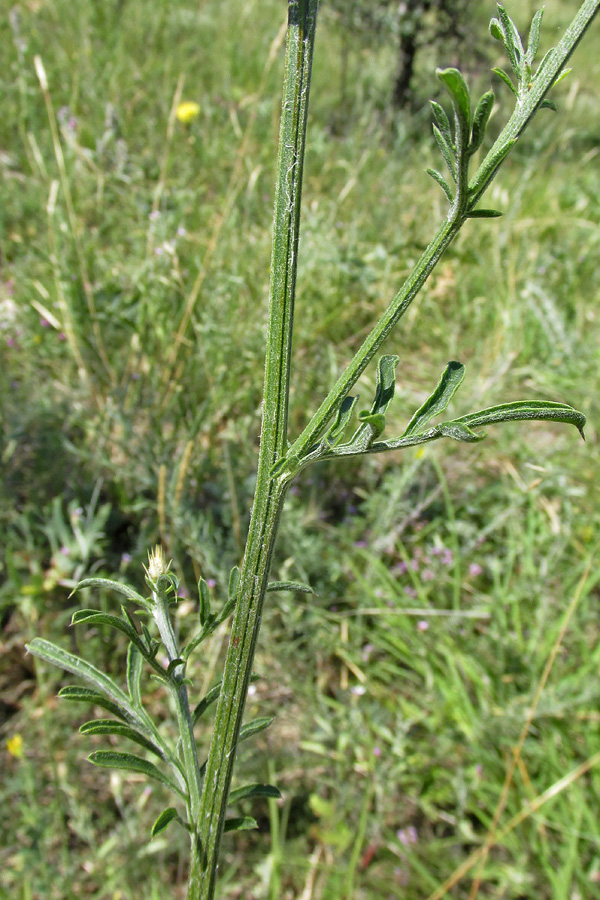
[[394, 729]]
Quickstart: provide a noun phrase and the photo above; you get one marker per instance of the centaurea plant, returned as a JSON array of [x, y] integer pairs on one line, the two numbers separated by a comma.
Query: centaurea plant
[[201, 789]]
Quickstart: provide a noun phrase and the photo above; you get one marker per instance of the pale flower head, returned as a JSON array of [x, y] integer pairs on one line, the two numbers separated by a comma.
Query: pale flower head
[[157, 563], [187, 111]]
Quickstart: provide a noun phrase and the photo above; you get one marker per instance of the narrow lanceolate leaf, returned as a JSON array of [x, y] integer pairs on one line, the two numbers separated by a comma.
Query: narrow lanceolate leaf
[[526, 409], [437, 402], [210, 698], [512, 42], [164, 820], [110, 759], [71, 663], [506, 79], [456, 86], [533, 42], [442, 122], [123, 589], [240, 823], [484, 214], [562, 76], [546, 60], [293, 586], [120, 729], [174, 664], [446, 151], [373, 420], [549, 104], [204, 601], [96, 617], [255, 727], [234, 582], [496, 30], [442, 183], [344, 414], [86, 695], [459, 432], [480, 120], [254, 790], [134, 674]]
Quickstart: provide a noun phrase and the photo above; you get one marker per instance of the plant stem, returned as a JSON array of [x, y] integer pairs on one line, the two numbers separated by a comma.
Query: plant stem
[[182, 704], [270, 488], [526, 108]]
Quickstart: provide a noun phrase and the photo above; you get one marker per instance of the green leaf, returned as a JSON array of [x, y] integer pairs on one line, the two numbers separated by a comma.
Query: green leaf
[[456, 86], [96, 617], [562, 76], [496, 30], [85, 695], [70, 663], [446, 151], [254, 790], [174, 664], [204, 595], [107, 584], [526, 409], [512, 42], [206, 701], [164, 820], [240, 823], [134, 674], [374, 421], [480, 120], [293, 586], [533, 41], [546, 59], [442, 183], [210, 698], [459, 432], [254, 727], [484, 214], [120, 729], [506, 79], [234, 582], [442, 122], [336, 432], [110, 759], [549, 104], [437, 402]]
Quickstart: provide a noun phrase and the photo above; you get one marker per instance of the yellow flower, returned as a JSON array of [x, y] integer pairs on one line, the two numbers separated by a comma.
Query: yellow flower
[[14, 745], [187, 112]]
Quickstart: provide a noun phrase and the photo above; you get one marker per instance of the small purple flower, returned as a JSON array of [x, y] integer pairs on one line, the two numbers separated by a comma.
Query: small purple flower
[[376, 751], [44, 323], [422, 625], [10, 342], [211, 583], [413, 837], [181, 232], [401, 568], [414, 564], [362, 545], [427, 575], [366, 652], [410, 591], [154, 215], [126, 558], [65, 551], [447, 557], [402, 836], [62, 336], [475, 570]]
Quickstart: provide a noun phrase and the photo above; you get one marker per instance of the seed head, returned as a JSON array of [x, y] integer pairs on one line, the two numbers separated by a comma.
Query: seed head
[[157, 563]]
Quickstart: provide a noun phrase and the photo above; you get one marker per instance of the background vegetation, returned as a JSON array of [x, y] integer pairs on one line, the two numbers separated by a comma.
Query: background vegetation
[[134, 254]]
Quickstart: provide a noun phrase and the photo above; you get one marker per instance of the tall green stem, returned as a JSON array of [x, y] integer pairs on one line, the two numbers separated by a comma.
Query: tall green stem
[[270, 489]]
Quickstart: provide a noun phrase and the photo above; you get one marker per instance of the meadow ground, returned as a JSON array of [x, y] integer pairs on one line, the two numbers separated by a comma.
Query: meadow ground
[[451, 584]]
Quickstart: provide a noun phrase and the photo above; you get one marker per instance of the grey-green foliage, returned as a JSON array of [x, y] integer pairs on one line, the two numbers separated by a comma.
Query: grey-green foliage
[[204, 788]]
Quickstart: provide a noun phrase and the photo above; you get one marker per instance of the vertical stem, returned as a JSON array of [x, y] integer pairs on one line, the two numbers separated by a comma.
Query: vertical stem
[[270, 490]]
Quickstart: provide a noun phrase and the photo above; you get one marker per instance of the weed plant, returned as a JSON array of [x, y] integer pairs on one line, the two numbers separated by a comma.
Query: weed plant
[[425, 548]]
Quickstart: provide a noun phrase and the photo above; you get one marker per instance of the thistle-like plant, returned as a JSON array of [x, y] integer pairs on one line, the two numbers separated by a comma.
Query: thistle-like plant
[[201, 790]]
